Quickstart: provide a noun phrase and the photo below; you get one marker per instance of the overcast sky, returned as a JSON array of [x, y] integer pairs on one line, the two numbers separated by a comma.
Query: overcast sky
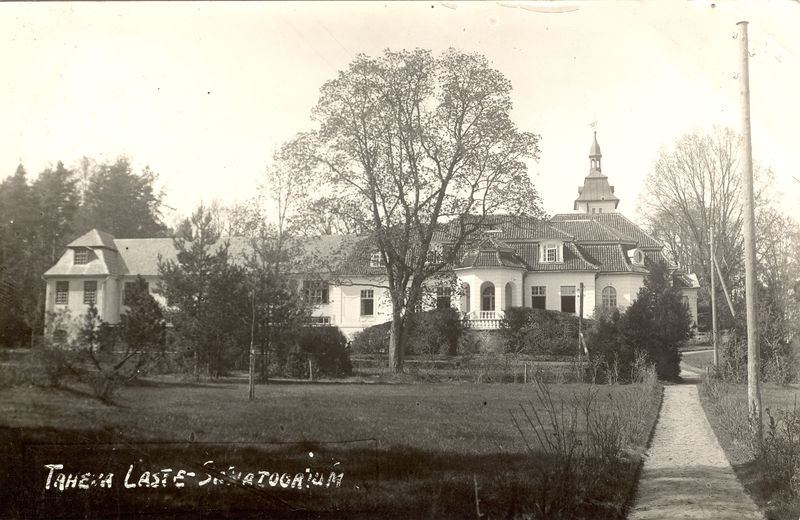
[[204, 93]]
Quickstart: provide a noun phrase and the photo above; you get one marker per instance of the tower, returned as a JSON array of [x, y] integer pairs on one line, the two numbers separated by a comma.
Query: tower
[[596, 196]]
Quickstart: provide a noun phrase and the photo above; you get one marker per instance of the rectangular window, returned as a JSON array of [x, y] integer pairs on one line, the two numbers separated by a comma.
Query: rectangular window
[[320, 321], [81, 256], [551, 254], [62, 293], [367, 302], [568, 298], [538, 297], [315, 291], [443, 297], [90, 292]]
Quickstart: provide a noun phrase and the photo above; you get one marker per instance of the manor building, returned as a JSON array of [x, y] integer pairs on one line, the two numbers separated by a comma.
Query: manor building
[[514, 262]]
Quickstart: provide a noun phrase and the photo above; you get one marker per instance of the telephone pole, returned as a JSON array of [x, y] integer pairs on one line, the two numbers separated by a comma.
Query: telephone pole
[[713, 299], [753, 361]]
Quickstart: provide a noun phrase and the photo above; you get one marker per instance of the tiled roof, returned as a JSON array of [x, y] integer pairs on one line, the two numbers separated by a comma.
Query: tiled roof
[[584, 230], [574, 260], [592, 242], [511, 227], [94, 238], [491, 252], [616, 221], [610, 257]]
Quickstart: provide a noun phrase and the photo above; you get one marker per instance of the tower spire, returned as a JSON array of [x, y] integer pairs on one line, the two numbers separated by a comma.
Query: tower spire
[[594, 154], [596, 195]]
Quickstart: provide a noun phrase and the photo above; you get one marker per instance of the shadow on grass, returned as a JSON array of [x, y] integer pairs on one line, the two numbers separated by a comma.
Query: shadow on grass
[[398, 482]]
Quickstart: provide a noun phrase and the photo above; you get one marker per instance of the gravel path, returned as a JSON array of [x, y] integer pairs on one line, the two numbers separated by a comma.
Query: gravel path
[[686, 474]]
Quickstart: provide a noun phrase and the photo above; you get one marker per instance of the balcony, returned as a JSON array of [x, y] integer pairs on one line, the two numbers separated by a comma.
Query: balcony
[[483, 320]]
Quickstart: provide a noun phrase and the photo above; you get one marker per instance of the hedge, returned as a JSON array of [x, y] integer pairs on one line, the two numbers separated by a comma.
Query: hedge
[[538, 331], [429, 332]]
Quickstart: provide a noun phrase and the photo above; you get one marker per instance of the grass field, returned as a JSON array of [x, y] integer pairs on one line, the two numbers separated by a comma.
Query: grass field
[[699, 359], [405, 451], [775, 503]]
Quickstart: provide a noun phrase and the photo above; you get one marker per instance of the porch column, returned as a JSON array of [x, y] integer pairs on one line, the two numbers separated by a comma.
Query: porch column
[[499, 296], [475, 297]]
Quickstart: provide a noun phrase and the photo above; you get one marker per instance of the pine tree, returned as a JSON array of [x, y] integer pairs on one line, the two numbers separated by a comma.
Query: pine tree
[[658, 322]]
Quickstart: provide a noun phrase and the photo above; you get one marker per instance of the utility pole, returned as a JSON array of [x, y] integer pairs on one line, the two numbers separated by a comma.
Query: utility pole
[[713, 300], [580, 323], [252, 368], [753, 361]]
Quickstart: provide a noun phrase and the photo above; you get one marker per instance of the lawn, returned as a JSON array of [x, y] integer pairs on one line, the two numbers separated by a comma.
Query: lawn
[[401, 451], [724, 418], [699, 359]]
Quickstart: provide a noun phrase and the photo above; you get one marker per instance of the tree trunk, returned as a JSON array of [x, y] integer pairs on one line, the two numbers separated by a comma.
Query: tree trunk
[[396, 340]]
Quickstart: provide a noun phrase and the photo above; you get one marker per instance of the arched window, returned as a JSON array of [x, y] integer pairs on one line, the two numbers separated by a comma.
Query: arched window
[[487, 298], [609, 298]]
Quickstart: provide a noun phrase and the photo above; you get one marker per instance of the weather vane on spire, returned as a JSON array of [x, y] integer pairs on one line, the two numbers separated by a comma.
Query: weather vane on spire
[[593, 124]]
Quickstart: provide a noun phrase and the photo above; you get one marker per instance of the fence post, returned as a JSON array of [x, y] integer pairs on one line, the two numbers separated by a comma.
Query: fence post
[[310, 371], [526, 373]]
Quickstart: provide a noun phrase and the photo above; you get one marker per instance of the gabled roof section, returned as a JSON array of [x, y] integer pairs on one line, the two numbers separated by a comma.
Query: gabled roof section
[[617, 222], [94, 238]]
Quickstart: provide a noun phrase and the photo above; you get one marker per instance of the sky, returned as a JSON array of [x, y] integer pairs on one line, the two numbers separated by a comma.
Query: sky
[[204, 93]]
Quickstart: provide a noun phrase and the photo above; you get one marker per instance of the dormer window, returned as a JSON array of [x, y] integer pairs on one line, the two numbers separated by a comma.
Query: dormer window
[[81, 256], [435, 255], [551, 253], [376, 259]]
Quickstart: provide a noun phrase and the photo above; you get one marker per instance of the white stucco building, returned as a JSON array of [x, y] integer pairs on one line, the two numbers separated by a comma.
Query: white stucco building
[[514, 262]]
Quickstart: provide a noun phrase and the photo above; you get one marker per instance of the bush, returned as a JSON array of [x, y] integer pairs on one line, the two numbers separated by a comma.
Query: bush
[[326, 347], [372, 340], [433, 332], [430, 332], [579, 461], [780, 455], [538, 331]]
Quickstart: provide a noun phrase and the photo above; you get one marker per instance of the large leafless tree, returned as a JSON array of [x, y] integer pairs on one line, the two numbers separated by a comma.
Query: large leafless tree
[[694, 187], [411, 140]]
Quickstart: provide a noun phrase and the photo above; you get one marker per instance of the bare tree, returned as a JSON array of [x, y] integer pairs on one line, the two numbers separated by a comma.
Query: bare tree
[[411, 141], [693, 188]]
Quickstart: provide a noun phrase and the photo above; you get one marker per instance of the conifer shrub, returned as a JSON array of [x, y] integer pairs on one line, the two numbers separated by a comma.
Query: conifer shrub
[[325, 347]]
